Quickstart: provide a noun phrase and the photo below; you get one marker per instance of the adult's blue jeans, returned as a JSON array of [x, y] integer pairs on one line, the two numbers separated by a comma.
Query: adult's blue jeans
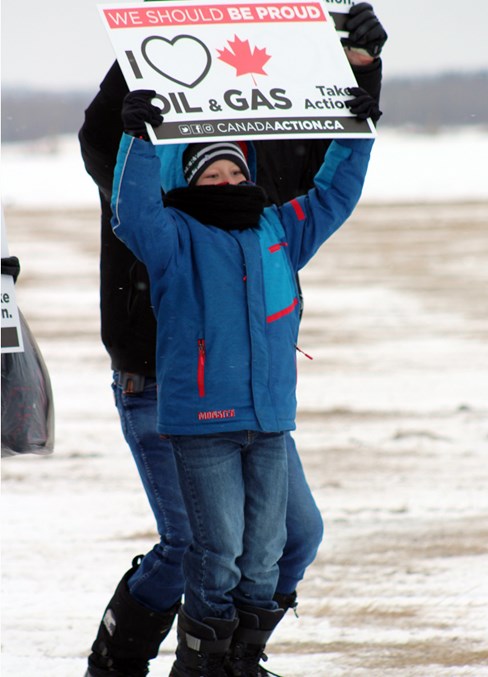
[[159, 581], [235, 487]]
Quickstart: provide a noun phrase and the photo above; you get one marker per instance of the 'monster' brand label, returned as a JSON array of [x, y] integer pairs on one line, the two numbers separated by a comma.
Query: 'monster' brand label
[[218, 413]]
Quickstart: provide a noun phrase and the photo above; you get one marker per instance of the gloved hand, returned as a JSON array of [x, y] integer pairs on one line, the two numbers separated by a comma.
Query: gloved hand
[[137, 109], [11, 266], [363, 105], [365, 29]]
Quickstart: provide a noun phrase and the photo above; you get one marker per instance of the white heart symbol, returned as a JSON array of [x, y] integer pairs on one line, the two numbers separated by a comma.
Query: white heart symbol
[[184, 59]]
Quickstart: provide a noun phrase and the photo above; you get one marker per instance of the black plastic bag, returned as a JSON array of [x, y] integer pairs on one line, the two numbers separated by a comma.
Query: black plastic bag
[[27, 400]]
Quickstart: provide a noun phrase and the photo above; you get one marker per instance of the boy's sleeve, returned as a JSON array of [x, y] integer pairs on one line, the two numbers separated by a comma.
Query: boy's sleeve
[[139, 218], [311, 219]]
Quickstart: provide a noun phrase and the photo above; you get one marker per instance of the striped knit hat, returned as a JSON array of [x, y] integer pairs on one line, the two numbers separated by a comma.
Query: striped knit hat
[[198, 156]]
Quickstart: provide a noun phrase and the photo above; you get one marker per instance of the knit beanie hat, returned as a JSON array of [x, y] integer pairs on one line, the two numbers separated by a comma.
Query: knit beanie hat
[[198, 156]]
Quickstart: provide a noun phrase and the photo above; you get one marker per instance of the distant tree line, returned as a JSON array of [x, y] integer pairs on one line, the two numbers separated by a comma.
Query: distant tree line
[[427, 103], [432, 102], [32, 114]]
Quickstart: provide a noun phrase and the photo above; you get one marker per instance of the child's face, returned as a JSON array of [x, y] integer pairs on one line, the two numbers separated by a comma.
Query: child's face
[[221, 171]]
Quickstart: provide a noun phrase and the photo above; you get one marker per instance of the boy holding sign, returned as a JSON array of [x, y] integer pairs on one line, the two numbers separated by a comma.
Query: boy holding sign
[[222, 269]]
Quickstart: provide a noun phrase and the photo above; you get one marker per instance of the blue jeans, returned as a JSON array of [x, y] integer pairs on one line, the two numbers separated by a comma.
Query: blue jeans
[[159, 581], [235, 487]]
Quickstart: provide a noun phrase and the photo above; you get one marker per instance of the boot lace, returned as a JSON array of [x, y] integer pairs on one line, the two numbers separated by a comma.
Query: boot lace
[[211, 665], [245, 663], [262, 672]]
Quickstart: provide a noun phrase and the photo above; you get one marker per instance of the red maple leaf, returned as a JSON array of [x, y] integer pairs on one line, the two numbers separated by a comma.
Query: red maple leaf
[[242, 58]]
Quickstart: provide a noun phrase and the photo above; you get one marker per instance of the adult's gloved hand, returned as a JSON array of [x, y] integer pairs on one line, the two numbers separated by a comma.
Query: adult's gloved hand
[[363, 105], [11, 266], [137, 109], [365, 29]]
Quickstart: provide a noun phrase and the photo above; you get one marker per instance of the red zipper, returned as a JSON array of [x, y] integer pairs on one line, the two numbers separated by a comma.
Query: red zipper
[[201, 367]]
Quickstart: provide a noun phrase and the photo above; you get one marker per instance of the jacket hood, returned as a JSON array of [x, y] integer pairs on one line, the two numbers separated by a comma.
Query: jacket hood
[[171, 158]]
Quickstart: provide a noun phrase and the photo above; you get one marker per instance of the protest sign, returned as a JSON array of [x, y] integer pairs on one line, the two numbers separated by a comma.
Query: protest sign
[[236, 70], [11, 332]]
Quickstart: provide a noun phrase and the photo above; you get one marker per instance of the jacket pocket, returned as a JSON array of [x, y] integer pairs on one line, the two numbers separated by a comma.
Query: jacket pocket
[[201, 368]]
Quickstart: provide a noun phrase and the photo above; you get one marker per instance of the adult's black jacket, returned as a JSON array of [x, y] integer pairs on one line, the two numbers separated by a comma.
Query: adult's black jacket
[[285, 169]]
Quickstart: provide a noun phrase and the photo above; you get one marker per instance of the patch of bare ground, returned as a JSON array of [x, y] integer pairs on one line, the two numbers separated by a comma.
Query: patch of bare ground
[[451, 653]]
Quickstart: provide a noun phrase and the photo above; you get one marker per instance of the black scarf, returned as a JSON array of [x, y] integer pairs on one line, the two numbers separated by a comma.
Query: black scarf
[[228, 207]]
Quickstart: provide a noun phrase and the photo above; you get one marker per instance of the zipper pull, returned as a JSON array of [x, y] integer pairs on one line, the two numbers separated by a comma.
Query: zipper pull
[[303, 353]]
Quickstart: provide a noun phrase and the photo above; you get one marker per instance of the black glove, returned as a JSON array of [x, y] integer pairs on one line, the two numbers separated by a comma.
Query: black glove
[[137, 109], [363, 105], [365, 29], [11, 266]]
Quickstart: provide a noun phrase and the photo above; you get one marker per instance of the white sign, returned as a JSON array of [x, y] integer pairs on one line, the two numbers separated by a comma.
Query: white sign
[[11, 332], [236, 70]]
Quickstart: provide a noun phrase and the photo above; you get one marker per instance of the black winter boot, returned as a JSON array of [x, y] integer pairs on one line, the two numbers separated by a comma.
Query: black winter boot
[[129, 635], [202, 647], [255, 628]]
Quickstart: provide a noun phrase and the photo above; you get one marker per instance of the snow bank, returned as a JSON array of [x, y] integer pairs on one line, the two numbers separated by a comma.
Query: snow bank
[[405, 167]]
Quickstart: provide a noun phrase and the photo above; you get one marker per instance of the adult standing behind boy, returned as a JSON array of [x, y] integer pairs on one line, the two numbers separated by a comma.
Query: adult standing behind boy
[[142, 609]]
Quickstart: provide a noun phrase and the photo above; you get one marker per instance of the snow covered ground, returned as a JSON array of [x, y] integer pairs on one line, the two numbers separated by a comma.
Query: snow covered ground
[[449, 165], [393, 428]]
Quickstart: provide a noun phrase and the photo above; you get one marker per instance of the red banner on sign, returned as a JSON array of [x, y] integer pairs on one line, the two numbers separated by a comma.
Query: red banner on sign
[[273, 12]]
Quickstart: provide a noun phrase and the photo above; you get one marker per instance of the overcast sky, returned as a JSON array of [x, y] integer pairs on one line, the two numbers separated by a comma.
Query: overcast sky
[[62, 44]]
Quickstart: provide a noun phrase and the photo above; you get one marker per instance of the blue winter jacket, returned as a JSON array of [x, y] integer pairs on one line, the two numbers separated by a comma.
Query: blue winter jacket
[[226, 302]]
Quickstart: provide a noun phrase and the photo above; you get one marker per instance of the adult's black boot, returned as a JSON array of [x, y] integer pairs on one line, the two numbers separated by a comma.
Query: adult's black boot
[[202, 646], [256, 626], [129, 635]]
